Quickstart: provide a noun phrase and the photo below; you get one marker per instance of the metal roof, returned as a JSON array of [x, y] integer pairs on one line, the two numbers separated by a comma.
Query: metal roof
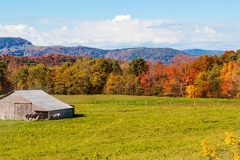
[[43, 100]]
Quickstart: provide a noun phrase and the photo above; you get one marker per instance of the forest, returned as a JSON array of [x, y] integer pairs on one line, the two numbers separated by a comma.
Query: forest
[[205, 76]]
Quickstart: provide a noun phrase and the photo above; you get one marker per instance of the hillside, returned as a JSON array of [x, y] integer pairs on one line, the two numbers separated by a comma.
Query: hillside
[[198, 52], [9, 42], [163, 55], [21, 47]]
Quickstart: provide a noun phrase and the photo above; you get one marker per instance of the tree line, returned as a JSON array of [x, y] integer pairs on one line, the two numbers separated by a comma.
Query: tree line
[[205, 76]]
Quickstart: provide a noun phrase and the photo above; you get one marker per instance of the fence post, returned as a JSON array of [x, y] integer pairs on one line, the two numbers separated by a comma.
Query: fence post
[[145, 102], [170, 104], [194, 104], [217, 103], [116, 102], [125, 102]]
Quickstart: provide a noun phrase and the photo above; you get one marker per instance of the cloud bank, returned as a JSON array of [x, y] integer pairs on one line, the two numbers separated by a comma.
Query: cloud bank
[[125, 32]]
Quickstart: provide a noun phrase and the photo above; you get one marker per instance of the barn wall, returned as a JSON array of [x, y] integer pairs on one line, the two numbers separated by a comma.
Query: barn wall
[[7, 107], [14, 111], [64, 113], [12, 98], [6, 110], [14, 107], [36, 108], [21, 109]]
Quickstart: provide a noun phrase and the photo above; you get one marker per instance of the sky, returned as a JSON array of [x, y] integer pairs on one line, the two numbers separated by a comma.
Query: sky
[[115, 24]]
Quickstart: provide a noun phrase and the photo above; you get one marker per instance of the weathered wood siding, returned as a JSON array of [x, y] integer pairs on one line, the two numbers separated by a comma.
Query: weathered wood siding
[[6, 110]]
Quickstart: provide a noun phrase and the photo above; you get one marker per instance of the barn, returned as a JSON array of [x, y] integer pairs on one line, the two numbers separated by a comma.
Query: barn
[[17, 104]]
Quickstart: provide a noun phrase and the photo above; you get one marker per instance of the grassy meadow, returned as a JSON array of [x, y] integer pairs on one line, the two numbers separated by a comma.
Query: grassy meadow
[[124, 127]]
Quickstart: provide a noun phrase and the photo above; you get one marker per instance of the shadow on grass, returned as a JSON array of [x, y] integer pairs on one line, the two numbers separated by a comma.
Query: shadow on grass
[[78, 115]]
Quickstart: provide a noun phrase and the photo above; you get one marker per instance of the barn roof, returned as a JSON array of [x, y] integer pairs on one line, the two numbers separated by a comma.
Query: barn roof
[[42, 99]]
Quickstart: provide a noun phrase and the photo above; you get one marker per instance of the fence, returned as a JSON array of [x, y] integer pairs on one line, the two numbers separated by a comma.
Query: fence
[[190, 102]]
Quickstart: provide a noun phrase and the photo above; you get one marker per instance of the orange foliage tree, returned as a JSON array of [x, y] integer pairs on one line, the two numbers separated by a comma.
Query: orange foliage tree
[[229, 81]]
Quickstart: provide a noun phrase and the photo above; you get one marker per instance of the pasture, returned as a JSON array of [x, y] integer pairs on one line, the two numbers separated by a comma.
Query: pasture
[[124, 127]]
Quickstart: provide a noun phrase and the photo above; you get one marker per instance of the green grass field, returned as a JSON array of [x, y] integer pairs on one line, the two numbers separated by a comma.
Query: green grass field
[[124, 127]]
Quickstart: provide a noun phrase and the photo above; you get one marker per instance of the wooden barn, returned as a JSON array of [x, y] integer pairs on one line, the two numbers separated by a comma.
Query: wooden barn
[[17, 104]]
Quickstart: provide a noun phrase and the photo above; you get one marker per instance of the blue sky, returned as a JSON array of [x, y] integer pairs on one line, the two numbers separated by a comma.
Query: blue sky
[[110, 24]]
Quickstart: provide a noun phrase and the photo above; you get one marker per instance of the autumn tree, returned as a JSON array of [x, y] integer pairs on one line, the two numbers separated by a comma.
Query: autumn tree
[[81, 78], [177, 76], [171, 82], [113, 84], [39, 77], [205, 62], [61, 78], [147, 81], [130, 84], [229, 82], [100, 69], [228, 56], [20, 78], [201, 86], [152, 79]]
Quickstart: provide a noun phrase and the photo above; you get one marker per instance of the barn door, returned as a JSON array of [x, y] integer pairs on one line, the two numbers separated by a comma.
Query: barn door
[[21, 109]]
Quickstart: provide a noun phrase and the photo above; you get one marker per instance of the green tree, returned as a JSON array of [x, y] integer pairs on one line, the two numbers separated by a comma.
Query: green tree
[[130, 85], [116, 67], [3, 68], [215, 80], [137, 66]]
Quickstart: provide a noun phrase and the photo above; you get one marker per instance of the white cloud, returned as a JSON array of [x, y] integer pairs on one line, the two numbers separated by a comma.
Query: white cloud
[[209, 30], [122, 18], [204, 30], [23, 31], [64, 28], [207, 35], [124, 32]]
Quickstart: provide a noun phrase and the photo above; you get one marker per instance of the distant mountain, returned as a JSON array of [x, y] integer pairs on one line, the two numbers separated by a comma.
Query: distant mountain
[[22, 47], [199, 52], [9, 42], [163, 55]]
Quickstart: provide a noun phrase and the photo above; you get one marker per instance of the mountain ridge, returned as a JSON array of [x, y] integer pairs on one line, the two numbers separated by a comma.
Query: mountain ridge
[[198, 52], [17, 46]]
